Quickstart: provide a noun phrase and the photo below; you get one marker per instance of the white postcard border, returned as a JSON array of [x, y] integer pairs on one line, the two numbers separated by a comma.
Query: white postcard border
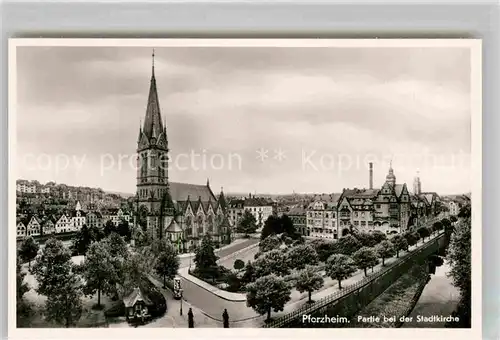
[[351, 333]]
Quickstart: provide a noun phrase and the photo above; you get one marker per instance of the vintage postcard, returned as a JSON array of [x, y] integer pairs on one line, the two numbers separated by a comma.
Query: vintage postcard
[[252, 183]]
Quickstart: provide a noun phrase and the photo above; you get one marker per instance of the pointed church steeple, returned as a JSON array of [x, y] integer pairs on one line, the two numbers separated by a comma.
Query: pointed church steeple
[[153, 125], [222, 199], [140, 132]]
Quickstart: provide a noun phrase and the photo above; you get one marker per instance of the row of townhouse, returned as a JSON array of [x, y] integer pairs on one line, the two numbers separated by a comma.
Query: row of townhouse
[[260, 208], [455, 203], [390, 209], [36, 225], [59, 190]]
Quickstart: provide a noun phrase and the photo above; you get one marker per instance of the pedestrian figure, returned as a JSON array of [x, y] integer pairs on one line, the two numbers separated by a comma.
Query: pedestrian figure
[[190, 318], [225, 318]]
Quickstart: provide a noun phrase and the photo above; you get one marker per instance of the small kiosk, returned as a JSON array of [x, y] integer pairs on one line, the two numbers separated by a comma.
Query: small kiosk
[[136, 306]]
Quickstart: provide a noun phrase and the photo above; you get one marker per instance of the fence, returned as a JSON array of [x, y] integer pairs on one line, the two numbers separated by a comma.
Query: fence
[[336, 297]]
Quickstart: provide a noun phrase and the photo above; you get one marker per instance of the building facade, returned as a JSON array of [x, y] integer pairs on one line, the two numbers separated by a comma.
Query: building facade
[[322, 220], [298, 215]]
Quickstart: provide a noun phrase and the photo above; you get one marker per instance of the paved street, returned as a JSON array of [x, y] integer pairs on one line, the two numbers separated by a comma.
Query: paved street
[[239, 244], [212, 304]]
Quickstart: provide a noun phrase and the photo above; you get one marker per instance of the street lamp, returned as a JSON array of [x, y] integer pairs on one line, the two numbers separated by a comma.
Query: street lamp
[[181, 291]]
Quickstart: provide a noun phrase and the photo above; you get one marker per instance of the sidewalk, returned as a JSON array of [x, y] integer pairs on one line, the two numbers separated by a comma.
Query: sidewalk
[[229, 296], [330, 287], [236, 297], [232, 244], [172, 317]]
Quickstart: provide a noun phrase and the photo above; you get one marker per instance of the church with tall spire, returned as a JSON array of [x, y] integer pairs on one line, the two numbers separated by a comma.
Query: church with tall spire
[[180, 212]]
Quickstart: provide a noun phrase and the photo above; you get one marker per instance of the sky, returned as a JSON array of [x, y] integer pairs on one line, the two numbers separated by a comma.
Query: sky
[[249, 119]]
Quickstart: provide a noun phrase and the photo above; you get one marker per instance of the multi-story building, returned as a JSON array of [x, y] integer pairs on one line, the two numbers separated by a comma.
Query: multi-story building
[[387, 209], [21, 227], [33, 227], [48, 226], [77, 218], [161, 203], [260, 208], [298, 216], [63, 224], [116, 216], [94, 219], [235, 209], [26, 187], [322, 219]]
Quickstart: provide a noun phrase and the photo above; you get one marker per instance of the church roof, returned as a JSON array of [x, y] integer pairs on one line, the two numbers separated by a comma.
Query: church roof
[[181, 191], [134, 297], [153, 125], [174, 227]]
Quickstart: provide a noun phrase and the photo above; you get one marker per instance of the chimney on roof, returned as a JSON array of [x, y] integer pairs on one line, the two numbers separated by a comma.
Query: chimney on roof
[[371, 176]]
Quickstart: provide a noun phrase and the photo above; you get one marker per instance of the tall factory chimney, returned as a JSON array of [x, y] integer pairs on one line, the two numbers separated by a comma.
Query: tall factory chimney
[[371, 175]]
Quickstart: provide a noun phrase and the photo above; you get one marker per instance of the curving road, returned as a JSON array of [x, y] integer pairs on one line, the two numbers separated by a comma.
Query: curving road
[[211, 304]]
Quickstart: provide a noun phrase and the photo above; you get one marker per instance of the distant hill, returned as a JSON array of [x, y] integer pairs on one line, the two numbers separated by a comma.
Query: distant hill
[[123, 194]]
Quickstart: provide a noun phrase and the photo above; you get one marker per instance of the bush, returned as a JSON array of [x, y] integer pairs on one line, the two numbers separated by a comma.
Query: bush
[[233, 282], [116, 310], [159, 303]]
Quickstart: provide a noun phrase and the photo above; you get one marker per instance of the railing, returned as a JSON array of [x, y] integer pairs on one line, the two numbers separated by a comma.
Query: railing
[[337, 296]]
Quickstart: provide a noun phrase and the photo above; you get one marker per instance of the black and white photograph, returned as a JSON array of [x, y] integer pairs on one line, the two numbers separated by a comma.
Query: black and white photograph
[[244, 183]]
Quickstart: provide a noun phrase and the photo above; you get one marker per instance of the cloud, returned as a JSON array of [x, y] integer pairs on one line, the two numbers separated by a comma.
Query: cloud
[[333, 101]]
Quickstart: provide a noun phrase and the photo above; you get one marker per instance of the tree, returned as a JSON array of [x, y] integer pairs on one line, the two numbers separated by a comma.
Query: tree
[[24, 312], [308, 280], [239, 264], [423, 232], [168, 263], [205, 258], [53, 270], [439, 225], [28, 250], [116, 245], [124, 230], [64, 305], [347, 245], [453, 219], [400, 243], [323, 248], [280, 225], [21, 286], [136, 266], [340, 267], [84, 237], [365, 258], [465, 211], [411, 238], [99, 271], [302, 255], [248, 224], [269, 243], [249, 274], [268, 293], [378, 236], [273, 262], [109, 227], [385, 249], [366, 239], [459, 258], [54, 258]]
